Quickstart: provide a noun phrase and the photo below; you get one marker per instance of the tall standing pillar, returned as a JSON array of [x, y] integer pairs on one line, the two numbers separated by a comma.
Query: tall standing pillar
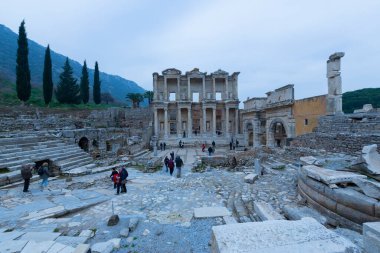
[[213, 121], [227, 94], [155, 122], [189, 123], [188, 89], [204, 130], [236, 121], [213, 88], [179, 123], [204, 88], [155, 89], [165, 89], [227, 122], [178, 95], [166, 123], [256, 132]]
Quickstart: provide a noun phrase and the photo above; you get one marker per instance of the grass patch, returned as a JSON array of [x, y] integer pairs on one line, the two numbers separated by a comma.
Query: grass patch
[[4, 170], [56, 230]]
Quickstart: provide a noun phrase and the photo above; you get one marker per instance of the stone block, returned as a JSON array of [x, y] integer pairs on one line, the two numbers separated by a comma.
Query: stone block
[[250, 178], [115, 242], [279, 236], [329, 176], [207, 212], [72, 241], [40, 236], [297, 213], [371, 237], [113, 220], [60, 248], [102, 247], [266, 212], [308, 159], [124, 232], [87, 233], [369, 187], [133, 222], [229, 220], [82, 248], [37, 247], [7, 236], [12, 246]]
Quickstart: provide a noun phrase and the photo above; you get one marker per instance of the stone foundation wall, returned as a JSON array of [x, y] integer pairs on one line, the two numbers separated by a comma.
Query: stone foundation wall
[[346, 133]]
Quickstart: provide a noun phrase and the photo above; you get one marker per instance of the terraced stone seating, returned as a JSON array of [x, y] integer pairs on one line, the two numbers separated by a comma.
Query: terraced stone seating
[[17, 151]]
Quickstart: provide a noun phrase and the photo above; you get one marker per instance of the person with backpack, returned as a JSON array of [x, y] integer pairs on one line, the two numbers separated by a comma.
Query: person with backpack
[[114, 177], [178, 164], [123, 174], [43, 172], [210, 151], [171, 166], [26, 173], [166, 161]]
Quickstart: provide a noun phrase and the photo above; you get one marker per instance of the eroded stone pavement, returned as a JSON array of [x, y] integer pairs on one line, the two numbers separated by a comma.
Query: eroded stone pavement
[[78, 210]]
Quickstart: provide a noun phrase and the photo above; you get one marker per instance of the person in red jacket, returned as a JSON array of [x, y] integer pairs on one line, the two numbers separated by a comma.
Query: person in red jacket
[[115, 177]]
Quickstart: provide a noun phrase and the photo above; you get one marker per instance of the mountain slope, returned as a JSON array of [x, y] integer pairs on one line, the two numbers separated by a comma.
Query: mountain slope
[[116, 85], [356, 99]]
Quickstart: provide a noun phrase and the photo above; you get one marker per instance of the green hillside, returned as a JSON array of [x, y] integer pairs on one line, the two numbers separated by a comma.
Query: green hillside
[[356, 99], [117, 86]]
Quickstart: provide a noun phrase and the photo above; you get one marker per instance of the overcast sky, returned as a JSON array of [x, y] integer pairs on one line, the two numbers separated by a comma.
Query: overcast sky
[[270, 42]]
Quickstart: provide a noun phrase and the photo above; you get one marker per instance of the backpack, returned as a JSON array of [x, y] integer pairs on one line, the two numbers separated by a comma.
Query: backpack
[[40, 171]]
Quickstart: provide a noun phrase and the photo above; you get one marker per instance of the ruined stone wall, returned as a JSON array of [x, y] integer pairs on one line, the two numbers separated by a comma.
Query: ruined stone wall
[[306, 113], [346, 133]]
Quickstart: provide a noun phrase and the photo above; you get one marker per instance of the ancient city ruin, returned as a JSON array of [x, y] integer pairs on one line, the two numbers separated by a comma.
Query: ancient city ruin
[[285, 175]]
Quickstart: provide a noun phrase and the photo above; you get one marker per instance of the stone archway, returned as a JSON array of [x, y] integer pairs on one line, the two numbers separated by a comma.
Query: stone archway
[[277, 134], [83, 143]]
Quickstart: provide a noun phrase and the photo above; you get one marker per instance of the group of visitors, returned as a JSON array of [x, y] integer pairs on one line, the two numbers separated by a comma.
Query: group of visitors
[[232, 145], [119, 179], [169, 164], [27, 174], [162, 146], [210, 149]]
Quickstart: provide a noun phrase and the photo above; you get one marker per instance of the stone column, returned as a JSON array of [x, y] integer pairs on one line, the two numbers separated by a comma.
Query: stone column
[[179, 123], [166, 123], [165, 89], [189, 123], [227, 95], [236, 121], [155, 122], [204, 131], [178, 95], [227, 122], [204, 87], [214, 122], [188, 89], [270, 137], [213, 88], [155, 90], [256, 132]]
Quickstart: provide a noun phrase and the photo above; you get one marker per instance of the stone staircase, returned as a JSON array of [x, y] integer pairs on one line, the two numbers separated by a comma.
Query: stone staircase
[[17, 151]]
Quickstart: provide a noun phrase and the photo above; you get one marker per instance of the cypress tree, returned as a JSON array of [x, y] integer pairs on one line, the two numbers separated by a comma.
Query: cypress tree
[[47, 77], [22, 66], [96, 89], [84, 84], [68, 91]]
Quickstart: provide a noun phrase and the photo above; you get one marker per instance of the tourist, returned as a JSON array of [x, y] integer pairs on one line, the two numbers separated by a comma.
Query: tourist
[[184, 134], [43, 172], [237, 143], [172, 155], [164, 145], [114, 177], [171, 166], [180, 143], [161, 146], [230, 145], [166, 162], [123, 174], [203, 147], [213, 144], [178, 164], [210, 150], [26, 173]]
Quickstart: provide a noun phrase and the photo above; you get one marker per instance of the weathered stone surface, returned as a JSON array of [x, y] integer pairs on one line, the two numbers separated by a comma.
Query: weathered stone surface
[[102, 247], [82, 248], [115, 242], [250, 178], [308, 159], [279, 236], [370, 188], [39, 236], [73, 241], [329, 176], [124, 232], [258, 168], [266, 212], [229, 220], [12, 246], [297, 213], [206, 212], [7, 236], [371, 237], [133, 222], [113, 220], [87, 233], [60, 248], [33, 246], [370, 159]]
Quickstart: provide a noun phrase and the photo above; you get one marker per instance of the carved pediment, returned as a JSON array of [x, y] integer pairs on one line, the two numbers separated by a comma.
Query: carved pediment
[[220, 72], [171, 71], [195, 72]]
